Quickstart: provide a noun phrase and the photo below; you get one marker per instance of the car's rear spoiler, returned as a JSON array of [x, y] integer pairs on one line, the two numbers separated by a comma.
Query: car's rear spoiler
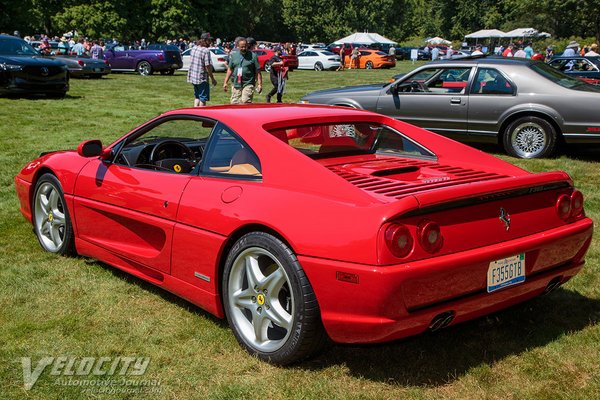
[[479, 192]]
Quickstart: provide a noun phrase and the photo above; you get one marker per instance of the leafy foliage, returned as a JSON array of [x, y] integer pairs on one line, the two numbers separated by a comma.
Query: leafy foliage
[[307, 21]]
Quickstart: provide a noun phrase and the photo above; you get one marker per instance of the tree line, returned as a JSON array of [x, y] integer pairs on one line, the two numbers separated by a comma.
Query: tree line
[[294, 20]]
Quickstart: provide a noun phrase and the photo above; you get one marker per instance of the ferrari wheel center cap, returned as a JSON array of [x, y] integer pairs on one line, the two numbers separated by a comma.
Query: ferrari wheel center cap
[[50, 217], [260, 299]]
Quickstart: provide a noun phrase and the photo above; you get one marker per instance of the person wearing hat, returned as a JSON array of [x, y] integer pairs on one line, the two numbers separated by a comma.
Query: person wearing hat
[[571, 49], [245, 71], [278, 75], [477, 51], [200, 70], [592, 52]]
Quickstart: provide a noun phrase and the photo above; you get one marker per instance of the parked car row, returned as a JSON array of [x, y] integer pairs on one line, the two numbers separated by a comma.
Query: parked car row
[[78, 66]]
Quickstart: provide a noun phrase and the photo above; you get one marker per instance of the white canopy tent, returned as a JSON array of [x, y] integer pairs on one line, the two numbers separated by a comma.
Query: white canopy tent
[[515, 33], [485, 33], [438, 40], [365, 38]]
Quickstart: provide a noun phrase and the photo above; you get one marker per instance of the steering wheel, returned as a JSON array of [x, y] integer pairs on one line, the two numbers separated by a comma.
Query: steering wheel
[[416, 86], [170, 149]]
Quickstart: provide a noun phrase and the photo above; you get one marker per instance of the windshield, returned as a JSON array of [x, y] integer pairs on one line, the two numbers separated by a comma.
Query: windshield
[[563, 80], [338, 139], [16, 47]]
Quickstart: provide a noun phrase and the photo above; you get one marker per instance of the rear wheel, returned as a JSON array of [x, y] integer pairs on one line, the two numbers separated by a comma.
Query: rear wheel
[[51, 219], [169, 71], [369, 65], [318, 66], [269, 303], [530, 137], [268, 66], [144, 68]]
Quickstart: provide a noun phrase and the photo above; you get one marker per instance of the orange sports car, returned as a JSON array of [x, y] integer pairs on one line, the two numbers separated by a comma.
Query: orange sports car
[[370, 59]]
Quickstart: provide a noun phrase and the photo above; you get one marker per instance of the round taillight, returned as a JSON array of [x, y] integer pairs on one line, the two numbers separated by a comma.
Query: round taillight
[[576, 203], [399, 240], [563, 206], [430, 236]]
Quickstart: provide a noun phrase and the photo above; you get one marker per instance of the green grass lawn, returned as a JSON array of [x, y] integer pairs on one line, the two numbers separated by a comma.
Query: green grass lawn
[[53, 306]]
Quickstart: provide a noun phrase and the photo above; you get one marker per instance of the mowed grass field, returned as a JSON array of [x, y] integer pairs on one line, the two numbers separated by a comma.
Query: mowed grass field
[[53, 306]]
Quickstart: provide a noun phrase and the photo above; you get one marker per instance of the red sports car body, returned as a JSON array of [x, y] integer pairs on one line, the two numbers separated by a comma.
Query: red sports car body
[[264, 55], [298, 222]]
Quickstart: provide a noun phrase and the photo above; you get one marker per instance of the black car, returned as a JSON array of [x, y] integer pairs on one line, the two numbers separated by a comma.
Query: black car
[[24, 71], [585, 68], [404, 53]]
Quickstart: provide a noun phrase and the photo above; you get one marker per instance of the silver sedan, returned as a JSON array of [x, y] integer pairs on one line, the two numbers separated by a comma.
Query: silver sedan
[[527, 106]]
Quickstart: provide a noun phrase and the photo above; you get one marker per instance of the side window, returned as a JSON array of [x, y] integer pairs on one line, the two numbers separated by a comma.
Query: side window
[[449, 80], [174, 145], [227, 155], [491, 81], [438, 81]]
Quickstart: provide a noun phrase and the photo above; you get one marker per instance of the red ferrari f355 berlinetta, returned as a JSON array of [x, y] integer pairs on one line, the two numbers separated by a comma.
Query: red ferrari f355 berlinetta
[[300, 223]]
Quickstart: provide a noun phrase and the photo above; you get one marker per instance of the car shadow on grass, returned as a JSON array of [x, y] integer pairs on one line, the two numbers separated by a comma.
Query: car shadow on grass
[[156, 290], [438, 358]]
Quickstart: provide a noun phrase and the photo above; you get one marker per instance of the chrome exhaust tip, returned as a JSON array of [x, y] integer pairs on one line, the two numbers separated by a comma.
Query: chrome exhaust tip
[[553, 284], [441, 320]]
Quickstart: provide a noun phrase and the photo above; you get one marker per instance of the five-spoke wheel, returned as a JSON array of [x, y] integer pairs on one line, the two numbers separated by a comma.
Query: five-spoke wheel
[[269, 302], [51, 217]]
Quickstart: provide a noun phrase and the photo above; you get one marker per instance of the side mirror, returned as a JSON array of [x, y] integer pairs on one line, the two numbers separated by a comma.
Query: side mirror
[[393, 89], [90, 148]]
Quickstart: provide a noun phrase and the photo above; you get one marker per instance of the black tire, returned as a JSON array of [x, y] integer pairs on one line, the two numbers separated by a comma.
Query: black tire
[[268, 66], [263, 283], [50, 215], [318, 66], [369, 65], [144, 68], [530, 137]]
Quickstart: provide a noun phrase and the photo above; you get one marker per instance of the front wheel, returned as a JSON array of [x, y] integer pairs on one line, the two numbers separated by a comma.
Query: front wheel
[[369, 65], [530, 137], [51, 219], [268, 67], [144, 68], [318, 67], [269, 303]]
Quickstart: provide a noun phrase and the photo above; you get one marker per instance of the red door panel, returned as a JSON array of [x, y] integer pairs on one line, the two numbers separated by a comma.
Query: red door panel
[[129, 211]]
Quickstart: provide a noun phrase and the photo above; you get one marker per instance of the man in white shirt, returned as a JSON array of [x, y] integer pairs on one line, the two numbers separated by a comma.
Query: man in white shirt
[[592, 52]]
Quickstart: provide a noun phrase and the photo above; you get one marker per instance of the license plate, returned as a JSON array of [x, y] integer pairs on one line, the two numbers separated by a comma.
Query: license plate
[[97, 69], [506, 272]]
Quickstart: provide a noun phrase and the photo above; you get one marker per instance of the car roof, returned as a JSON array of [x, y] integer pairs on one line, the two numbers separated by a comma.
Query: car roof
[[264, 114], [488, 59]]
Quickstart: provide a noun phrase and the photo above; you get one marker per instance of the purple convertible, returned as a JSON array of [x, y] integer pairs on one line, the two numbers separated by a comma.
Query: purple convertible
[[163, 58]]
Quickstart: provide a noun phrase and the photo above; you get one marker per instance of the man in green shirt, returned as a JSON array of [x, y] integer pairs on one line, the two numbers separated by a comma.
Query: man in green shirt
[[244, 71]]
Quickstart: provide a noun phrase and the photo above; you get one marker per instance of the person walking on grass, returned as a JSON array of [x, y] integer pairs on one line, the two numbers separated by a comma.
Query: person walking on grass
[[278, 75], [200, 70], [245, 71]]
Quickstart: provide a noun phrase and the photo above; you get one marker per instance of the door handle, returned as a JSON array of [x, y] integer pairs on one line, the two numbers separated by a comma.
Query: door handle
[[455, 100]]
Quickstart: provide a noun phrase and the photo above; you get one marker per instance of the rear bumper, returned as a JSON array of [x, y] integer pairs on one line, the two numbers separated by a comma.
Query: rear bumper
[[386, 305]]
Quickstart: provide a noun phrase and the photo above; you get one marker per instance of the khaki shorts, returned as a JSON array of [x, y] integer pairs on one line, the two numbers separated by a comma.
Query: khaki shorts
[[243, 95]]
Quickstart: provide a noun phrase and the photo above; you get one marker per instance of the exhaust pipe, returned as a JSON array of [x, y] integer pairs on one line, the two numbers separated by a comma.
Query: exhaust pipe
[[441, 320], [553, 284]]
